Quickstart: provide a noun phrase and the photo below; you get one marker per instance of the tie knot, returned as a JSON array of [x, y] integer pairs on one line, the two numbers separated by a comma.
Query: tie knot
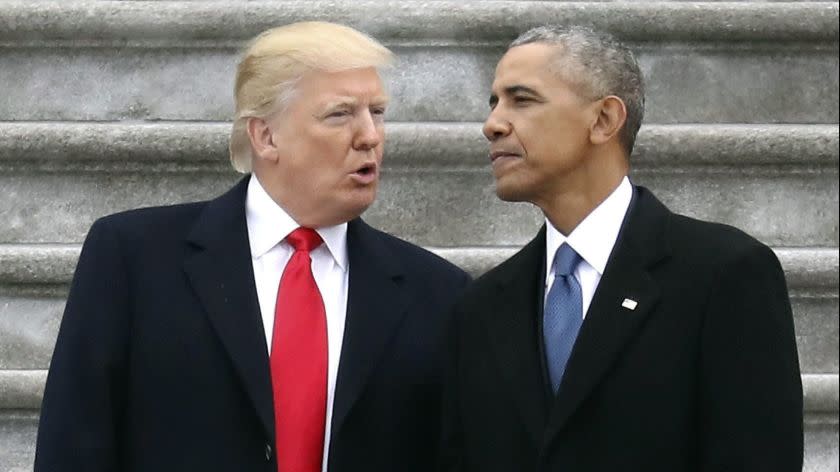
[[304, 239], [565, 260]]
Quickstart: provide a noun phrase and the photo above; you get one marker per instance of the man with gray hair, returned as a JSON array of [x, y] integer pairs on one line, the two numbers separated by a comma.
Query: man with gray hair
[[623, 336], [269, 329]]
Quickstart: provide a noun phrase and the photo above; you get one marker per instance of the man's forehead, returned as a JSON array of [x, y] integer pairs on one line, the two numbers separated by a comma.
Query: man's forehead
[[511, 83], [531, 55], [349, 83], [517, 81], [526, 65]]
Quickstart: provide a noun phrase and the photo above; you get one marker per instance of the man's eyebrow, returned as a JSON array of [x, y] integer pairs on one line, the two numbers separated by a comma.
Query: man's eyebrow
[[341, 102], [352, 102], [514, 89]]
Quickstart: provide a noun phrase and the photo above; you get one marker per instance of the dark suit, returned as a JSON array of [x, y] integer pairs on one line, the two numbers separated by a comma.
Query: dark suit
[[701, 376], [161, 361]]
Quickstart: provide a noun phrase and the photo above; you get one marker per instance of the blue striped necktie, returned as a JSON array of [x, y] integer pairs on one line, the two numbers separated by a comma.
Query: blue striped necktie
[[563, 314]]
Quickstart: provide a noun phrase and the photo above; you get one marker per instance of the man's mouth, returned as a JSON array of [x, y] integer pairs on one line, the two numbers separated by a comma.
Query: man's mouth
[[366, 173], [366, 169], [496, 155]]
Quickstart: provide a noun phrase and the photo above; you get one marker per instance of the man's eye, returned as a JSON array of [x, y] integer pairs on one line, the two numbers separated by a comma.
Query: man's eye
[[522, 99], [338, 113], [377, 113]]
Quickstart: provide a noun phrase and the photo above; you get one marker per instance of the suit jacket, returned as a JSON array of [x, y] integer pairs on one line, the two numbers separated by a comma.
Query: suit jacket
[[161, 361], [701, 376]]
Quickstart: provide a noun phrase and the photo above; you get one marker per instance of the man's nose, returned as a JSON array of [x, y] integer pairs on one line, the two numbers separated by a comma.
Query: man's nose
[[368, 134], [496, 126]]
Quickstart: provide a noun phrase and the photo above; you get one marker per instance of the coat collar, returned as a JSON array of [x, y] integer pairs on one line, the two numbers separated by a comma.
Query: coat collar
[[377, 301], [218, 265], [610, 324], [511, 326], [517, 307]]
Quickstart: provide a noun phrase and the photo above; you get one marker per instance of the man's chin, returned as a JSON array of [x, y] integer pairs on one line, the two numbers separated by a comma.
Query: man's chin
[[357, 205], [509, 193]]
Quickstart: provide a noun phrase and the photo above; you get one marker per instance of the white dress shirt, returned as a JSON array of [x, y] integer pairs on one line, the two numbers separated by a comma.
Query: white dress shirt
[[593, 239], [268, 226]]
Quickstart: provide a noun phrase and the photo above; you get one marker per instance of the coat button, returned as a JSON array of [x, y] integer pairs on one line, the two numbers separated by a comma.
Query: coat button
[[268, 452]]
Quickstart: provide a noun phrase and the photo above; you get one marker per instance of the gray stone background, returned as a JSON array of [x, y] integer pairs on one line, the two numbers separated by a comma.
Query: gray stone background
[[106, 106]]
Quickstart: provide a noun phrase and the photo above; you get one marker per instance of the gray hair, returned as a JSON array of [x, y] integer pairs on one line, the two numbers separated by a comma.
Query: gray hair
[[597, 65]]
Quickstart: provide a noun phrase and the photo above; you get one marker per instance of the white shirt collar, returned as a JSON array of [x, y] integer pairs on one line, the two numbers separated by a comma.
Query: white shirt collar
[[269, 224], [593, 239]]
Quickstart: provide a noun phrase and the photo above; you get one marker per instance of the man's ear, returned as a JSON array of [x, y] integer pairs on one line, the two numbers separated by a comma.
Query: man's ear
[[610, 119], [262, 139]]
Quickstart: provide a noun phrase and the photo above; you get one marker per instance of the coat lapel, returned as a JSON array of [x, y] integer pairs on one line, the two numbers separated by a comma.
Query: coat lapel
[[609, 325], [376, 305], [511, 325], [218, 265]]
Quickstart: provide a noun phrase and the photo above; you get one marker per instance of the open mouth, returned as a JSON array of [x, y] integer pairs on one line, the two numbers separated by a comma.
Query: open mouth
[[366, 170], [366, 174]]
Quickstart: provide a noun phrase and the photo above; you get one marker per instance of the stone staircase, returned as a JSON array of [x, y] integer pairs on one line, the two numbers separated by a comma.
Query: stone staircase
[[113, 105]]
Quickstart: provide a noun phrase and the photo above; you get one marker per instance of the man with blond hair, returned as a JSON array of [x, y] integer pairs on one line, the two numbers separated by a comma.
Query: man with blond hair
[[269, 329]]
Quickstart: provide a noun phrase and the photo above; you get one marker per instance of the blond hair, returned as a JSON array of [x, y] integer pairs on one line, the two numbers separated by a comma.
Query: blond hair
[[276, 59]]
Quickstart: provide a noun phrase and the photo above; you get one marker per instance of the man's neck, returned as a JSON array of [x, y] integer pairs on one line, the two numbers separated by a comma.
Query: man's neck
[[576, 199]]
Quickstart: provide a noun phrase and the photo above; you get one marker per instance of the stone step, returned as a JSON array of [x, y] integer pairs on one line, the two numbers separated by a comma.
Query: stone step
[[777, 182], [807, 270], [29, 321], [24, 389], [18, 426], [34, 279], [161, 146], [705, 62], [496, 1], [394, 20]]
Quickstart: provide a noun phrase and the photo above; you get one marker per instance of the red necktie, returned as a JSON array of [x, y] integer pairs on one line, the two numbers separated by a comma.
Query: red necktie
[[299, 361]]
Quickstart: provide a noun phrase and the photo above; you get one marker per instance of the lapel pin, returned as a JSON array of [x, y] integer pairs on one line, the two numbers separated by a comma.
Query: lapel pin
[[629, 304]]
